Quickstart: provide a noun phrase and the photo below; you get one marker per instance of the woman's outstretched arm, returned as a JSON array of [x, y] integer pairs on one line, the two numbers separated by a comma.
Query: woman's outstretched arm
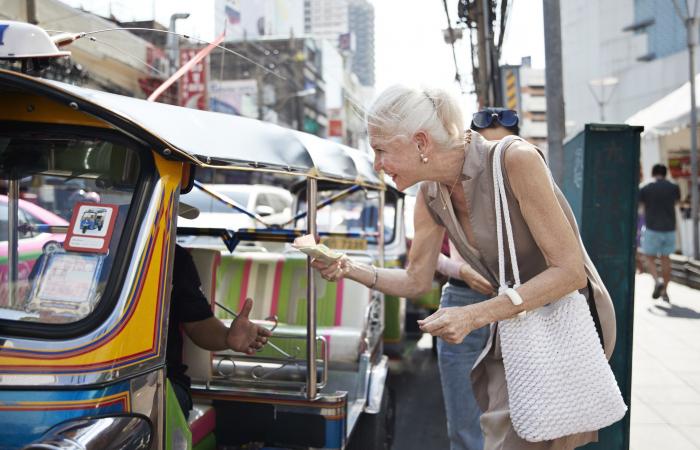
[[413, 281]]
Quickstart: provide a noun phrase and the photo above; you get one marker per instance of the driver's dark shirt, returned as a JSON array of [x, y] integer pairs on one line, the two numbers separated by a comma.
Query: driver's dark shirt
[[187, 304]]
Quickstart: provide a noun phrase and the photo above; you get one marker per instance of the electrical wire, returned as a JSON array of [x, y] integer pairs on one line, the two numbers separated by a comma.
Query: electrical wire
[[186, 36]]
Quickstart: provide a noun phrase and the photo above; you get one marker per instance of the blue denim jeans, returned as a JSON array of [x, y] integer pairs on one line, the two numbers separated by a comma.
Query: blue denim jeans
[[456, 362]]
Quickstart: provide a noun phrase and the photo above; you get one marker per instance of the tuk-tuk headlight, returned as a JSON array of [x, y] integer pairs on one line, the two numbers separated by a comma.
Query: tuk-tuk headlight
[[132, 431]]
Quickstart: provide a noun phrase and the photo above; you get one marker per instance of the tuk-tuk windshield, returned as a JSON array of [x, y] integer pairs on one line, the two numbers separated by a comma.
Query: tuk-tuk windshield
[[63, 203], [354, 213]]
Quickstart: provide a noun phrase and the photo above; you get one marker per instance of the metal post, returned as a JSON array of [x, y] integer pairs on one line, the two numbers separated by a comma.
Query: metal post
[[554, 87], [691, 30], [311, 199], [13, 238], [31, 12], [380, 238], [173, 42]]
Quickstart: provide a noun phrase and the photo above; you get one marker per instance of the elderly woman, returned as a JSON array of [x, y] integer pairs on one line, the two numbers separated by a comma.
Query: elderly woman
[[417, 137]]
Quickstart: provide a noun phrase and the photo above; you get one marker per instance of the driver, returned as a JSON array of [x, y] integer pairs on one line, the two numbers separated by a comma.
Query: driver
[[191, 311]]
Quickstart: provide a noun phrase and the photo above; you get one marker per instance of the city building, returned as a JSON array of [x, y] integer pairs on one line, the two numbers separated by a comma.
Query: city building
[[523, 91], [327, 19], [361, 25], [284, 86], [253, 19], [627, 61], [619, 57], [110, 61]]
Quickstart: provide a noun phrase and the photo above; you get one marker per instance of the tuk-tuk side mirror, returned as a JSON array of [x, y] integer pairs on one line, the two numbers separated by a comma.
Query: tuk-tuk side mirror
[[264, 210], [187, 182]]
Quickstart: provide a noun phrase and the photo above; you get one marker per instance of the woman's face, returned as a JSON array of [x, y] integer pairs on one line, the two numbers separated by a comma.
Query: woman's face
[[398, 157]]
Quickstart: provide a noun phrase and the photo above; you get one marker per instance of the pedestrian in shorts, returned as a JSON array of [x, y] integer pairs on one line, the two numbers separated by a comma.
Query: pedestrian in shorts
[[659, 199]]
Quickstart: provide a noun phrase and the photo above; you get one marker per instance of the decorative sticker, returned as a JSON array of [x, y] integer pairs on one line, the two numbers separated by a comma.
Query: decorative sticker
[[69, 278], [91, 227]]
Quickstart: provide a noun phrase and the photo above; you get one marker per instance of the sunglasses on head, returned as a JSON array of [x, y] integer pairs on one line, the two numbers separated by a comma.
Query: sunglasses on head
[[505, 117]]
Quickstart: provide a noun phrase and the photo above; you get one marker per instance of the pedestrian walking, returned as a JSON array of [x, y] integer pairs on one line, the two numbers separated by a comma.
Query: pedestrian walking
[[465, 286], [659, 199]]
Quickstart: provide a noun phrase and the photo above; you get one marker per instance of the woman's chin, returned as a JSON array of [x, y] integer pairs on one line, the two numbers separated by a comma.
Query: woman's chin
[[402, 185]]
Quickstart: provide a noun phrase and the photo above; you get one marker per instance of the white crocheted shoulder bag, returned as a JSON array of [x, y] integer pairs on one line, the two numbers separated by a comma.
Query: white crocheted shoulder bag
[[559, 381]]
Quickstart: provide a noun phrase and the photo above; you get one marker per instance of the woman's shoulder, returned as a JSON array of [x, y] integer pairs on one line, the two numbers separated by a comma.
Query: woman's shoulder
[[522, 156]]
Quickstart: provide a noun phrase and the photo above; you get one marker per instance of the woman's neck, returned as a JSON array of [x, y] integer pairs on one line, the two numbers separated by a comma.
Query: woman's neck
[[447, 167]]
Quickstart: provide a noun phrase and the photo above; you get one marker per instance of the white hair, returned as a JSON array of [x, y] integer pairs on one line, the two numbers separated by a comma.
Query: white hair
[[401, 110]]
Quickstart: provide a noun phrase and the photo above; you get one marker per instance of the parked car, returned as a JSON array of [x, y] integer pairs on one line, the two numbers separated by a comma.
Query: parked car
[[272, 204], [30, 242]]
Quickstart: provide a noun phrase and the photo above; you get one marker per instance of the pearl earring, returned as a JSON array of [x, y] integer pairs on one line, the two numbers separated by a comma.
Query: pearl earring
[[423, 158]]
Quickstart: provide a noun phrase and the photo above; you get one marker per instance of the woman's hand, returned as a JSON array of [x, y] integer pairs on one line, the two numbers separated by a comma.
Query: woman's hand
[[333, 271], [475, 280], [451, 324]]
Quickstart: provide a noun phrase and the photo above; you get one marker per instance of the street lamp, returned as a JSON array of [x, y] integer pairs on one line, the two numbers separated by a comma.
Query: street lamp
[[173, 42], [602, 99]]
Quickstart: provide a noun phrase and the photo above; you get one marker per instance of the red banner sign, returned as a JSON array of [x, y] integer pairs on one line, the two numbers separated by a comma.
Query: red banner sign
[[193, 84], [335, 128]]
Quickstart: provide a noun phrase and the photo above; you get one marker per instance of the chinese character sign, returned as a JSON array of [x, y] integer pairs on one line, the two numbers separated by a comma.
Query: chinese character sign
[[193, 85]]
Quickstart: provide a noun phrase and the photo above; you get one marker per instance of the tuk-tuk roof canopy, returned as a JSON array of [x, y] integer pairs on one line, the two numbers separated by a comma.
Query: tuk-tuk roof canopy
[[210, 139]]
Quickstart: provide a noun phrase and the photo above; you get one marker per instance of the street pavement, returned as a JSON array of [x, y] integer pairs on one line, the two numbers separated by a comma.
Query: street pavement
[[665, 379], [665, 369], [420, 414]]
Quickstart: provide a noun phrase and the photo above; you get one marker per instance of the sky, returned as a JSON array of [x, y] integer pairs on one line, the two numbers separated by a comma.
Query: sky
[[409, 47]]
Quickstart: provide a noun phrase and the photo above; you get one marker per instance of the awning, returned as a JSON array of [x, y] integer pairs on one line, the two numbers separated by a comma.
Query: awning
[[668, 113]]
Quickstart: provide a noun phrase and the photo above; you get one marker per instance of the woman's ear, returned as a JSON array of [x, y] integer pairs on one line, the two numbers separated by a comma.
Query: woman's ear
[[421, 139]]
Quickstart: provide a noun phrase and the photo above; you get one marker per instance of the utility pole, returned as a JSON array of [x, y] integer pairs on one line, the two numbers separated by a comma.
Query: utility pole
[[692, 30], [554, 88], [482, 55], [487, 44]]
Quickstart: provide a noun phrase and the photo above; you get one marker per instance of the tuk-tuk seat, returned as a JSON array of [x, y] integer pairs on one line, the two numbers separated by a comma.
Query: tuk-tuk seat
[[202, 422], [277, 284]]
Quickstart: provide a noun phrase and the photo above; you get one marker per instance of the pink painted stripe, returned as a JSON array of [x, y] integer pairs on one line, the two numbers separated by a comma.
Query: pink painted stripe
[[204, 425], [339, 301], [244, 282], [214, 269], [276, 287]]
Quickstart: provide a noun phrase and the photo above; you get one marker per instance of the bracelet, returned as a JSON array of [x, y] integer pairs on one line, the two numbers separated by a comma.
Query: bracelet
[[376, 277], [516, 299]]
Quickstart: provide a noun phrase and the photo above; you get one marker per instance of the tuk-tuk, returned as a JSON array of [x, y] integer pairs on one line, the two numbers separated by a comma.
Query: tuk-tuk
[[83, 329], [92, 219]]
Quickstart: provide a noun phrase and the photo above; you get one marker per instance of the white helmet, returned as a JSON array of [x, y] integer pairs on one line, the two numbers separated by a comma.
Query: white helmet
[[24, 40]]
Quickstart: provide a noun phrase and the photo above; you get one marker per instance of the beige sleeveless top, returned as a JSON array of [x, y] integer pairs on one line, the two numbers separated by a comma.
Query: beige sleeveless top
[[479, 195]]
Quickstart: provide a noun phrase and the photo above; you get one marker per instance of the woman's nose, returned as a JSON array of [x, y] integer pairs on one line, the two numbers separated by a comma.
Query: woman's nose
[[377, 163]]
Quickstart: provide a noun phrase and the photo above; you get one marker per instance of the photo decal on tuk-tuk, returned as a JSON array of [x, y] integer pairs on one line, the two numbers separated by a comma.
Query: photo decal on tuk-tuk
[[91, 227]]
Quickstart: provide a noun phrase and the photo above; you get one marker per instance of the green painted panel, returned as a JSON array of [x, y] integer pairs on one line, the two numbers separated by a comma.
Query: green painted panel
[[393, 320], [208, 442], [601, 161], [177, 432], [230, 274]]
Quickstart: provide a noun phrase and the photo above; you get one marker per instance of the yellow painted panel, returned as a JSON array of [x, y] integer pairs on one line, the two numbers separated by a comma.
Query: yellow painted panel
[[34, 108]]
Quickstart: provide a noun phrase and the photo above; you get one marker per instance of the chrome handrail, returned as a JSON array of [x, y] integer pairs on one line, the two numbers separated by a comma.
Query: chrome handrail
[[311, 201]]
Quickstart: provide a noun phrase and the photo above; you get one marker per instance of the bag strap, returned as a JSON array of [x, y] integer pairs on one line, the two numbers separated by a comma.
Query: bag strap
[[503, 216]]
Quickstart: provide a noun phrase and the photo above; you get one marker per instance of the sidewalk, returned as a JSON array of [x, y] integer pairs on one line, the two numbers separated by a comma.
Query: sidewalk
[[666, 369]]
